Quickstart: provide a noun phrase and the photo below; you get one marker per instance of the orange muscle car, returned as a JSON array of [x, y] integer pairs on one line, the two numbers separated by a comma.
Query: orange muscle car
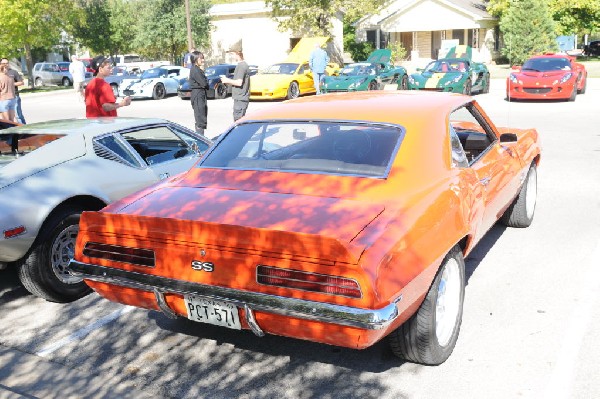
[[341, 219]]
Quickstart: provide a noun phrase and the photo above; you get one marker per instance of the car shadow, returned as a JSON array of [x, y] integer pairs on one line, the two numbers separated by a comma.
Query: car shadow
[[10, 286], [479, 252]]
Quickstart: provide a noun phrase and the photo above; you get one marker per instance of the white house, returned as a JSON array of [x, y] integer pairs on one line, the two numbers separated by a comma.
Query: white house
[[423, 26], [262, 43]]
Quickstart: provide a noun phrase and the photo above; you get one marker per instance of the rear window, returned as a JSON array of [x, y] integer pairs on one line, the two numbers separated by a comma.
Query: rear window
[[357, 149], [14, 145]]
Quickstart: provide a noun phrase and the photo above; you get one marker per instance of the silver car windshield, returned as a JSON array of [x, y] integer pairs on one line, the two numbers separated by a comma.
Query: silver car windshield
[[358, 149]]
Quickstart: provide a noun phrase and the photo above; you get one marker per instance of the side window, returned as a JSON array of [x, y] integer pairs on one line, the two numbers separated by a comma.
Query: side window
[[473, 132], [158, 144], [118, 148], [459, 158]]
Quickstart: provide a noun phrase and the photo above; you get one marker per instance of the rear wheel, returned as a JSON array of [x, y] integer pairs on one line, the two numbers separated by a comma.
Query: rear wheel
[[159, 92], [44, 271], [430, 335], [520, 212], [293, 91], [220, 91], [115, 89], [39, 82], [403, 85]]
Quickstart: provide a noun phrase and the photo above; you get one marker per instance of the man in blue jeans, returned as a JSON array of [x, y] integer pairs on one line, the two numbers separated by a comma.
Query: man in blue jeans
[[18, 82], [317, 63]]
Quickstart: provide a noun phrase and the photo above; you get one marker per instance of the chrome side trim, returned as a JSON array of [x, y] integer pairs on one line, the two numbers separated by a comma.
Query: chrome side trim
[[368, 319], [252, 322], [162, 304]]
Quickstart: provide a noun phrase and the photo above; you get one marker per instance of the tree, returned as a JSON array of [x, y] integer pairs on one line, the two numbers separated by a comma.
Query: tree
[[528, 29], [162, 30], [313, 17], [358, 50], [27, 24]]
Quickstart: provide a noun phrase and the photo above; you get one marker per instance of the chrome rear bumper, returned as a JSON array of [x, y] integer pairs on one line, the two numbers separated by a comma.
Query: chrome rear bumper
[[367, 319]]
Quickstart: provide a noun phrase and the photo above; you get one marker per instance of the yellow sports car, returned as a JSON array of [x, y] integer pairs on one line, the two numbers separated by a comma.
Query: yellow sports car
[[291, 78]]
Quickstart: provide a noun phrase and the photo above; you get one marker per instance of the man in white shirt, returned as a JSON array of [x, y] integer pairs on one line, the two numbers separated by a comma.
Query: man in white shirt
[[77, 71]]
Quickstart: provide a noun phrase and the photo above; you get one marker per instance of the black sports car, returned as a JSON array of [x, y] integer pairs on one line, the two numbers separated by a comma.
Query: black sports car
[[216, 88]]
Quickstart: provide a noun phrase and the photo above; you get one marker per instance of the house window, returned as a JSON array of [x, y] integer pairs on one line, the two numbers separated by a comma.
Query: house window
[[458, 34]]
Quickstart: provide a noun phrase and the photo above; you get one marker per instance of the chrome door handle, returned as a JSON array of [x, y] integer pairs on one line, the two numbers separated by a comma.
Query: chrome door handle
[[163, 176]]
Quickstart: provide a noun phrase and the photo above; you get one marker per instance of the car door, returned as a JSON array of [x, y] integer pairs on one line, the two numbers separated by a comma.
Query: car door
[[172, 81], [305, 80], [166, 150], [497, 168]]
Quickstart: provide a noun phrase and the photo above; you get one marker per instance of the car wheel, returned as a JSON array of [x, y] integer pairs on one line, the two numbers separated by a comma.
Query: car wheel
[[293, 91], [159, 92], [115, 89], [372, 85], [44, 272], [403, 83], [573, 93], [583, 89], [486, 84], [39, 82], [66, 82], [430, 335], [220, 91], [520, 212], [467, 88]]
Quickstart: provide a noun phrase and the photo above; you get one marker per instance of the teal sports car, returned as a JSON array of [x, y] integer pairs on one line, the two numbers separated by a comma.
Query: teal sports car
[[457, 73], [371, 74]]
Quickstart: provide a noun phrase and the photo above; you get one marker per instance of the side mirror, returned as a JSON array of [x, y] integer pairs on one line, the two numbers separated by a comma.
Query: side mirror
[[508, 138]]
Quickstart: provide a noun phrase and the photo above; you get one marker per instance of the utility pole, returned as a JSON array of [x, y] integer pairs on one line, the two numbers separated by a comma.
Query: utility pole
[[189, 25]]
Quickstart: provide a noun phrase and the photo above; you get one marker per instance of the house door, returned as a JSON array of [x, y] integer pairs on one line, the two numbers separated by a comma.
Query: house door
[[436, 44]]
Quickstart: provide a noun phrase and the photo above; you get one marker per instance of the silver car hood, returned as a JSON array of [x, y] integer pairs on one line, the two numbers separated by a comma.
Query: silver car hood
[[15, 168]]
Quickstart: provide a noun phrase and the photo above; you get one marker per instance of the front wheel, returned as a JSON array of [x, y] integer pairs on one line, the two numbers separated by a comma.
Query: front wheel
[[293, 91], [372, 85], [467, 88], [66, 82], [44, 272], [486, 84], [159, 92], [220, 91], [574, 93], [430, 335], [520, 212], [115, 89], [39, 82], [403, 85]]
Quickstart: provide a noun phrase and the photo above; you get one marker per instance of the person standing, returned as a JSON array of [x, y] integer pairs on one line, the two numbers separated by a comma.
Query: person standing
[[317, 63], [187, 60], [199, 87], [240, 83], [77, 71], [8, 100], [18, 79], [99, 97]]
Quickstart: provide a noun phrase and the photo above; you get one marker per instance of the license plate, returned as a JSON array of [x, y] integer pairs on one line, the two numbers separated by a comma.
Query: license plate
[[209, 311], [128, 92]]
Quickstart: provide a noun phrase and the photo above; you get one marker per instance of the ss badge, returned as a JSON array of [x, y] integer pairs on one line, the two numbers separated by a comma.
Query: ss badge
[[203, 266]]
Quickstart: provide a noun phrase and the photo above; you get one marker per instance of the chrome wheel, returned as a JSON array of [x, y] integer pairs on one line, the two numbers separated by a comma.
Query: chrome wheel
[[61, 253], [531, 192], [447, 305]]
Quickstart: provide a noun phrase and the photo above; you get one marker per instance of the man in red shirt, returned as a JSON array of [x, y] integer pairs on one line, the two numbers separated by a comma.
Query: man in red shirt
[[99, 97]]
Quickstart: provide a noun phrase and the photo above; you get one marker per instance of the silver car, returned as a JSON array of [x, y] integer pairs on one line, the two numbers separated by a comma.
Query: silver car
[[50, 172]]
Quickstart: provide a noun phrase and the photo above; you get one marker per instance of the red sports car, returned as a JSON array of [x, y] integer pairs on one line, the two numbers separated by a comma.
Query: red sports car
[[547, 77]]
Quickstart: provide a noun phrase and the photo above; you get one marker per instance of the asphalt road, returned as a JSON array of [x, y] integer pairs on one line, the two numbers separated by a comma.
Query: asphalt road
[[531, 323]]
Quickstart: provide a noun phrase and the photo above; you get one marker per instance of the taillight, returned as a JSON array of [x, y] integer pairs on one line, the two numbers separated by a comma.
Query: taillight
[[136, 256], [323, 283]]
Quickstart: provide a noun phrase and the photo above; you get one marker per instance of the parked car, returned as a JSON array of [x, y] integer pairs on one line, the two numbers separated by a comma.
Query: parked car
[[457, 73], [155, 83], [216, 88], [331, 218], [592, 49], [50, 172], [50, 73], [373, 74], [116, 78], [291, 78], [547, 77], [64, 69]]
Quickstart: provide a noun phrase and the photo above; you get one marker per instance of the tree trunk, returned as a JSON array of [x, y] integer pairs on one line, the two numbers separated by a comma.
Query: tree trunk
[[29, 63]]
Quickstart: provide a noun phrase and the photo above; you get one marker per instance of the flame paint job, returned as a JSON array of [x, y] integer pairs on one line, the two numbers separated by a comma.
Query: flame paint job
[[390, 235]]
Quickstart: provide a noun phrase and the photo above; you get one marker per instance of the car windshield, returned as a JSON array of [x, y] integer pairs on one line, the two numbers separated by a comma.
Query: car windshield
[[547, 64], [357, 149], [358, 69], [443, 66], [154, 73], [13, 145], [284, 69]]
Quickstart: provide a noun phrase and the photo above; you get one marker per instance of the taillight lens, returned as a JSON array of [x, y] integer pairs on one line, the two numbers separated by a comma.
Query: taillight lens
[[323, 283], [136, 256], [17, 231]]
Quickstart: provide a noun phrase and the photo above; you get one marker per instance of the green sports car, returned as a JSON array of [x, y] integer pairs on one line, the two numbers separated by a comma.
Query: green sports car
[[459, 75], [371, 74]]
